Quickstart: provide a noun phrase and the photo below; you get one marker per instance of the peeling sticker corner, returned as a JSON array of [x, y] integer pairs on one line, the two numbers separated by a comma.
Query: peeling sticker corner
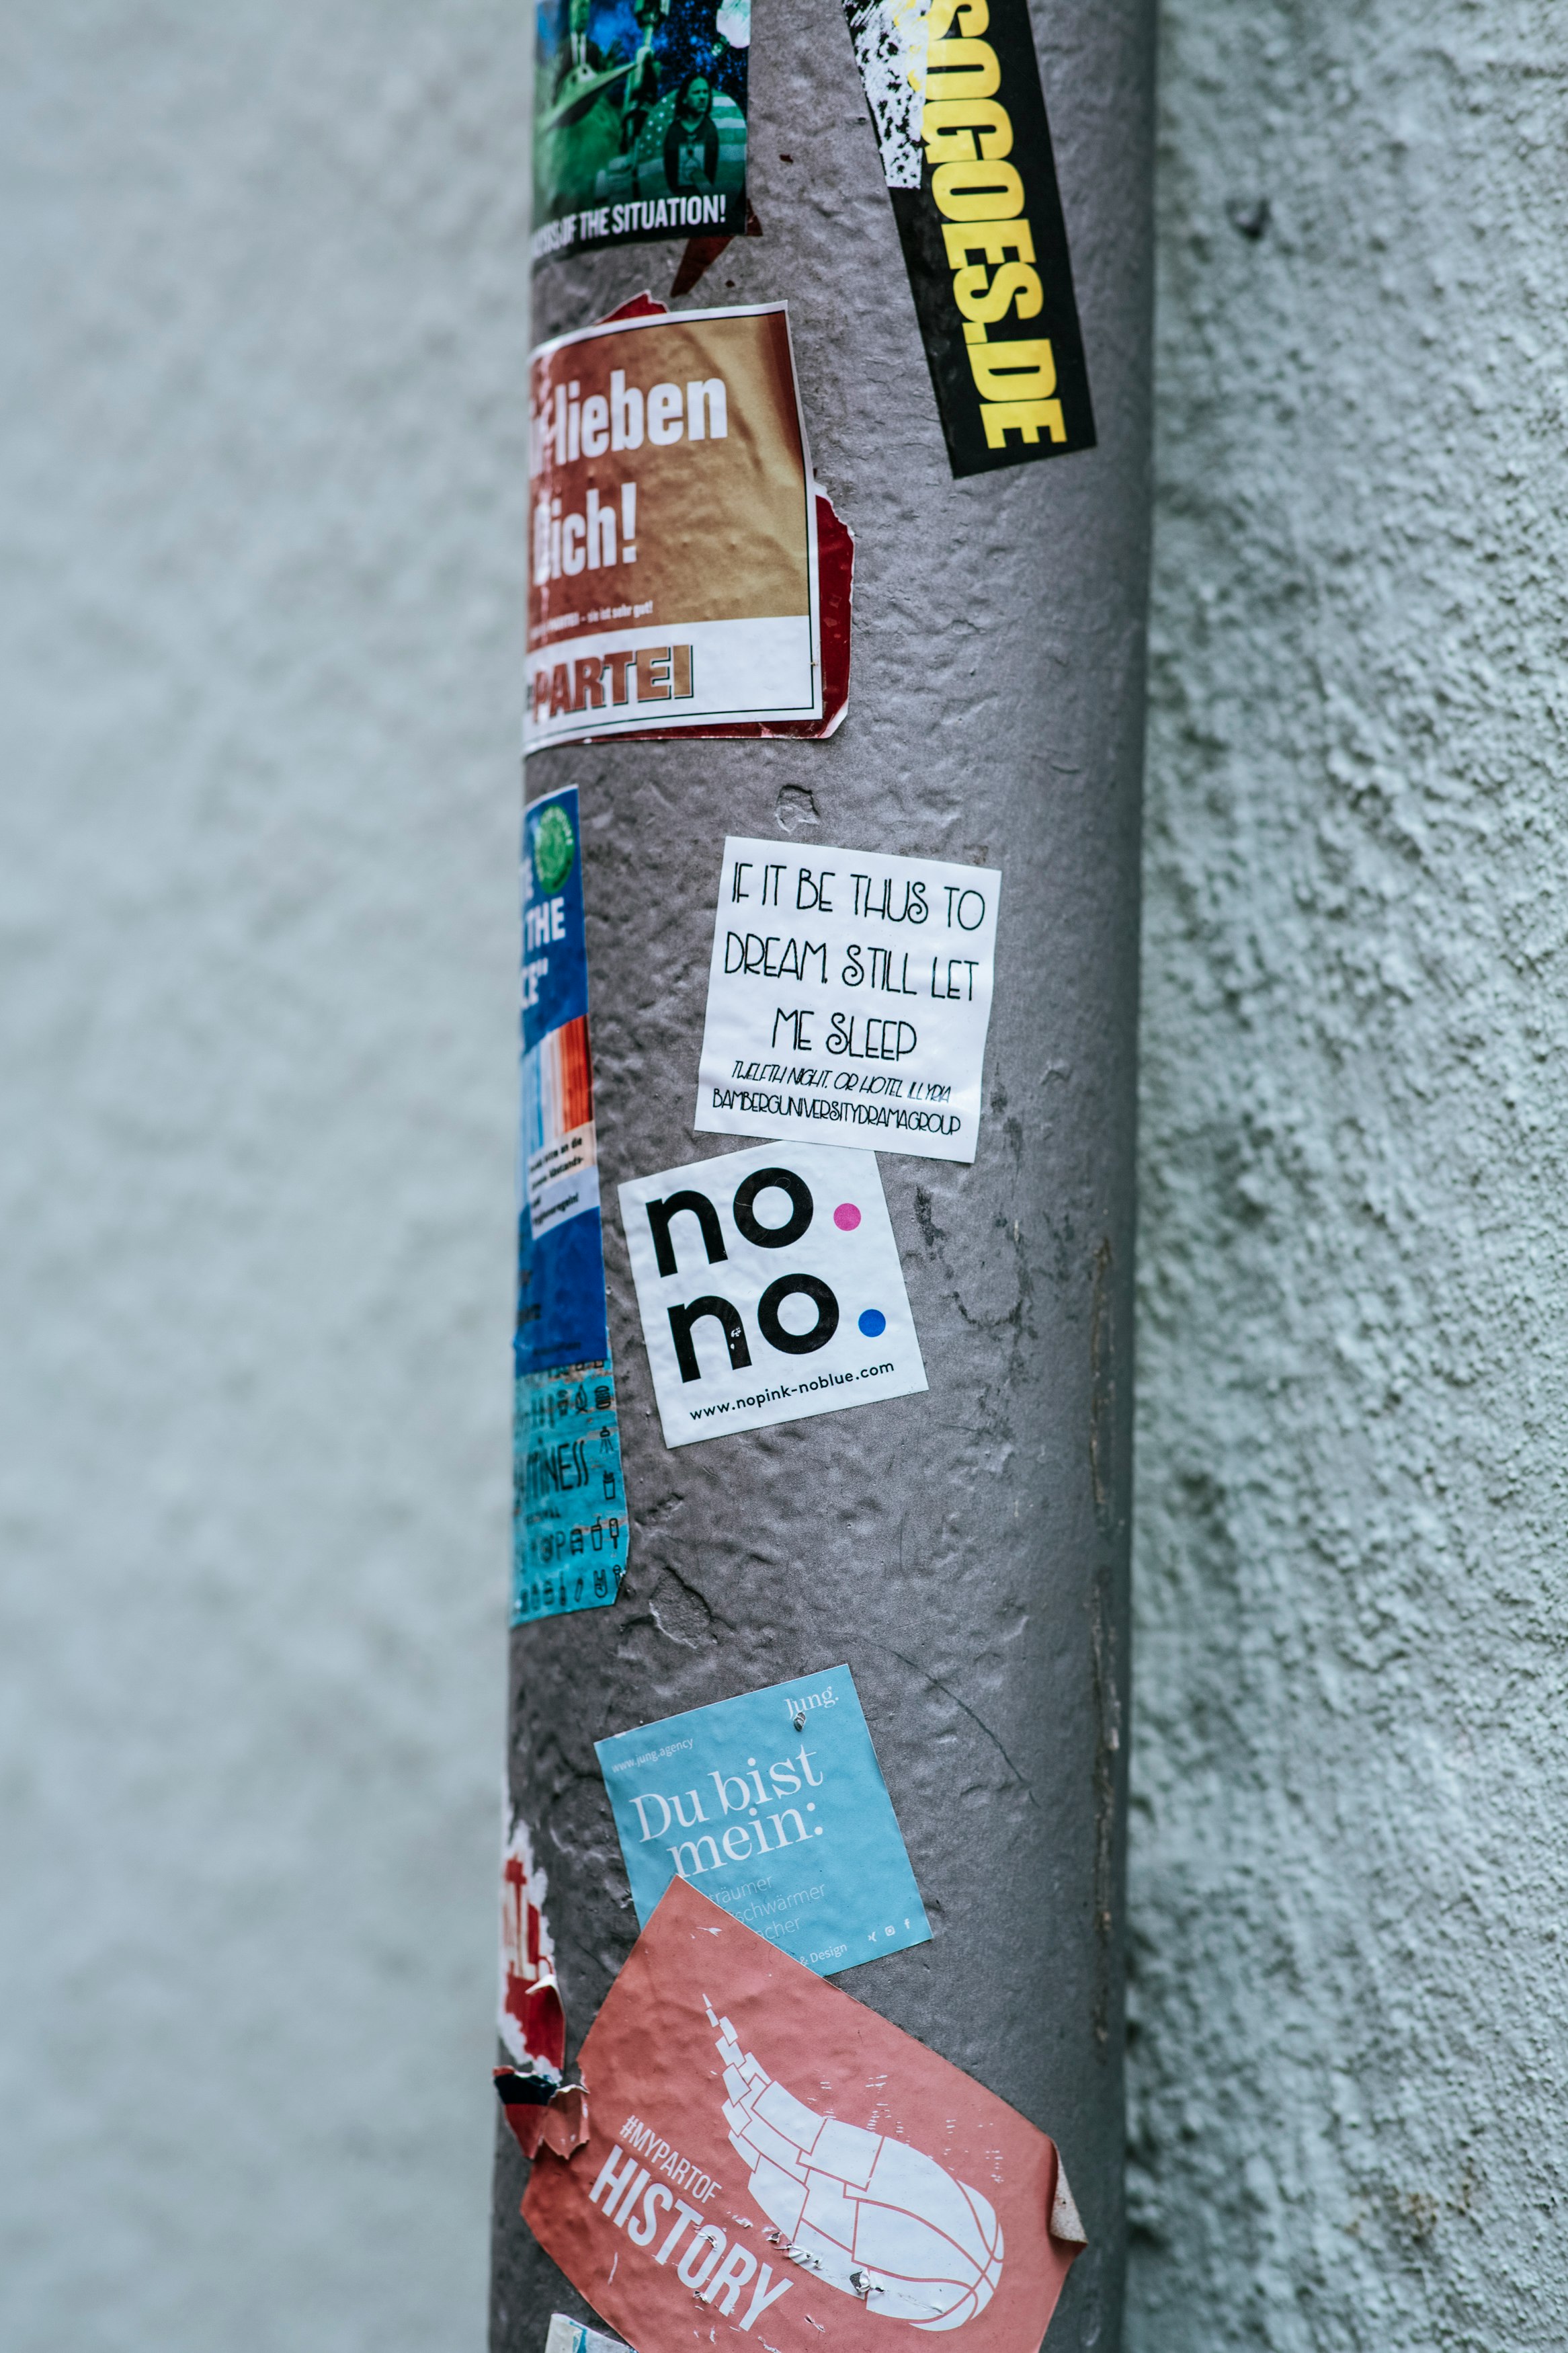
[[1064, 2223], [531, 2020], [542, 2115]]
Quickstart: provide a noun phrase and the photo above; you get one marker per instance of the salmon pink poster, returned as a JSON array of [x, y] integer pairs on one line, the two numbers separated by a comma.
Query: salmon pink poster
[[768, 2160]]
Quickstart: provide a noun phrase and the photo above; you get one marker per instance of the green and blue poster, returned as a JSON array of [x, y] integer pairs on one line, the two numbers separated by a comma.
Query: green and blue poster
[[639, 121], [571, 1529]]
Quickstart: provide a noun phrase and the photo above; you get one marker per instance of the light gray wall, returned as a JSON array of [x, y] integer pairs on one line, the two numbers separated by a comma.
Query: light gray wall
[[263, 512], [1351, 1747]]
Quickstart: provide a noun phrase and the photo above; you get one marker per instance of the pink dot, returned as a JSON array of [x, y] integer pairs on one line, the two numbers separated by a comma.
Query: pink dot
[[847, 1217]]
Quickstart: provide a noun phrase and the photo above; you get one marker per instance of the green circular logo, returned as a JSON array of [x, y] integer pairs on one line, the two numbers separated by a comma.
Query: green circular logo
[[554, 848]]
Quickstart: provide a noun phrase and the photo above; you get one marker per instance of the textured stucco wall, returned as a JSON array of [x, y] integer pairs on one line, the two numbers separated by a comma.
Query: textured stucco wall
[[1350, 1835], [262, 507]]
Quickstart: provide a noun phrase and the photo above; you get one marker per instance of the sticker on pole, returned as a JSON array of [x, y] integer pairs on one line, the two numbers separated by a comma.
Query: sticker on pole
[[561, 1257], [570, 1524], [775, 1804], [639, 121], [770, 1288], [766, 2158], [848, 997], [960, 118], [675, 577], [574, 2337]]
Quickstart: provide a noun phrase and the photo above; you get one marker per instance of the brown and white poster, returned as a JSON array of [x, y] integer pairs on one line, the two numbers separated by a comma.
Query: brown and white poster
[[674, 576]]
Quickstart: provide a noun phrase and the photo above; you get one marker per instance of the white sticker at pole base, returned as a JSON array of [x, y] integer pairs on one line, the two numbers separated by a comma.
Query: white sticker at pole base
[[571, 2337], [848, 998], [770, 1288]]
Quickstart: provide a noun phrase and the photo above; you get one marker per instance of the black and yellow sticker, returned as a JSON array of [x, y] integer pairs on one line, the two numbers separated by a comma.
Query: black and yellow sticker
[[986, 251]]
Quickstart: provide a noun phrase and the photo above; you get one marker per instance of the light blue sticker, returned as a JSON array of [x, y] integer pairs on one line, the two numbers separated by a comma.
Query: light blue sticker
[[775, 1806], [569, 1499]]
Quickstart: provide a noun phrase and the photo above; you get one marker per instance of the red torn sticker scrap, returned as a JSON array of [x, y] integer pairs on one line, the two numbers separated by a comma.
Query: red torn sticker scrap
[[761, 2144], [637, 306], [531, 2023], [542, 2115]]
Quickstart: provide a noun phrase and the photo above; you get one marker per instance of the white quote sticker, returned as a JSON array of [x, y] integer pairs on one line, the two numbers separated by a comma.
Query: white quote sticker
[[770, 1288], [848, 997]]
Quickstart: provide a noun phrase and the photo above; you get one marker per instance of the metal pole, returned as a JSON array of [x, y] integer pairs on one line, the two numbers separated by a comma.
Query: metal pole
[[965, 1551]]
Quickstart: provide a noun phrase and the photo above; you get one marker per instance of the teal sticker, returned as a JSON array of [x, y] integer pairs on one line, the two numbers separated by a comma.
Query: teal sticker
[[569, 1498], [775, 1806]]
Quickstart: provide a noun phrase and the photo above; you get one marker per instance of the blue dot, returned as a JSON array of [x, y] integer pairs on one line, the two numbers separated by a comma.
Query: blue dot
[[873, 1321]]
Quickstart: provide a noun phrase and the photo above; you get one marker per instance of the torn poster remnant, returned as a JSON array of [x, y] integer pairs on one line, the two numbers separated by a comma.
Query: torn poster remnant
[[531, 2020], [889, 42], [540, 2115]]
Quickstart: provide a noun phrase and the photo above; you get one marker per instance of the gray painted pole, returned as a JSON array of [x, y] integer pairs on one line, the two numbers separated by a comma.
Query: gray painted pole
[[965, 1551]]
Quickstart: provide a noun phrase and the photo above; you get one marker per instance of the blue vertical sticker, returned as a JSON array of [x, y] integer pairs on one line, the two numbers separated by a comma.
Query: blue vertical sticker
[[570, 1516], [775, 1806], [561, 1261]]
